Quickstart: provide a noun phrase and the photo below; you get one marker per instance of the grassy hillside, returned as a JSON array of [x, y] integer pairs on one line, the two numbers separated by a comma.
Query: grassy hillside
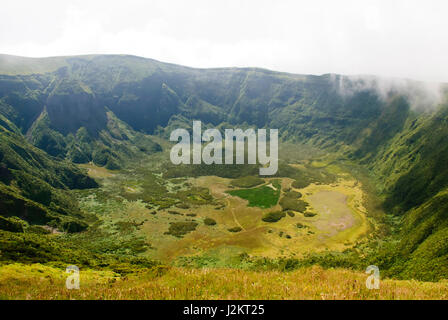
[[41, 282]]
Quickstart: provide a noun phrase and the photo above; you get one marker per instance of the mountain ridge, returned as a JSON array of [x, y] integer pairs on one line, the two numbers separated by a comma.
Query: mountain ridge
[[4, 57]]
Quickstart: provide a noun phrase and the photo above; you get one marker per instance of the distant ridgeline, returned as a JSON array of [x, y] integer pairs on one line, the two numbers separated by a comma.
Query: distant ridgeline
[[102, 108]]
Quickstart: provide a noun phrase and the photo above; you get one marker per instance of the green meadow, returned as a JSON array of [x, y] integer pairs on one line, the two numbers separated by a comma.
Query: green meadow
[[265, 196]]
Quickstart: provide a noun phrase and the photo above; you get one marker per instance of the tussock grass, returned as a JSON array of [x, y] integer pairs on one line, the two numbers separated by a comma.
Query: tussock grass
[[42, 282]]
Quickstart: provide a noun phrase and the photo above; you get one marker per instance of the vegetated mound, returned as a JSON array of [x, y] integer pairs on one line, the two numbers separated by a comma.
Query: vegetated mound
[[300, 184], [273, 216], [209, 221], [235, 229], [179, 229], [289, 203], [292, 194], [309, 214]]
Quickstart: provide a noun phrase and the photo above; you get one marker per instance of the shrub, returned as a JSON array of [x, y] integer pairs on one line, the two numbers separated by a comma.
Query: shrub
[[273, 216], [288, 203], [12, 224], [182, 205], [209, 222], [179, 229], [74, 226], [309, 214], [293, 194], [235, 229], [78, 156], [37, 230], [112, 164], [300, 184], [101, 156]]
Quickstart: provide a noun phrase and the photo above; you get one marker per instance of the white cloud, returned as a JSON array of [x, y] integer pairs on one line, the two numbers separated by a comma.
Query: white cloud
[[399, 38]]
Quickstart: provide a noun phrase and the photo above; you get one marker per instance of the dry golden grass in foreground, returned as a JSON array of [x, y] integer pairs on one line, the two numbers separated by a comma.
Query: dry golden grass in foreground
[[42, 282]]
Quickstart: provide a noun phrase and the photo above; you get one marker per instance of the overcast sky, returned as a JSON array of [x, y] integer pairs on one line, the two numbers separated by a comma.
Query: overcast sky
[[402, 38]]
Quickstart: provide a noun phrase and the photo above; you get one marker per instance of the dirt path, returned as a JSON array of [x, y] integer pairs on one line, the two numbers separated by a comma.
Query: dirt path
[[233, 214], [271, 186]]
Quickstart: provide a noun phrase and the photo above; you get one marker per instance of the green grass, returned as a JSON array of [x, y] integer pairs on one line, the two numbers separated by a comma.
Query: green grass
[[263, 197]]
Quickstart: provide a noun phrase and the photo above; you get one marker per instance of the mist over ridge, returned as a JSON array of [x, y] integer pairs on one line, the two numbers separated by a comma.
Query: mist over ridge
[[422, 95]]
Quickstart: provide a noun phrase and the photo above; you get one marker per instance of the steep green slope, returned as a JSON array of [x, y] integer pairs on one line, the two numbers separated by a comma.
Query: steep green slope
[[423, 251], [412, 172], [34, 186], [63, 117], [415, 161]]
